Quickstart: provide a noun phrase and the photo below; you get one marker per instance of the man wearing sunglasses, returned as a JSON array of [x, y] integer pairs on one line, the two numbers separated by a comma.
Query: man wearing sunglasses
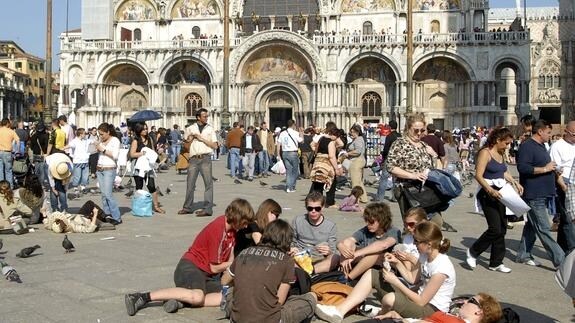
[[313, 231]]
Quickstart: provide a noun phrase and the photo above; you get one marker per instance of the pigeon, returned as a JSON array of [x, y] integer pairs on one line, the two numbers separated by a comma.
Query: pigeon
[[168, 191], [237, 181], [262, 183], [159, 192], [67, 244], [215, 179], [10, 273], [26, 252], [130, 193]]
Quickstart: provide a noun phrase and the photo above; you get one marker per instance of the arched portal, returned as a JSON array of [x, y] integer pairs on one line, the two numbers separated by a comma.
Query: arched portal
[[126, 86], [510, 93], [187, 85], [278, 102]]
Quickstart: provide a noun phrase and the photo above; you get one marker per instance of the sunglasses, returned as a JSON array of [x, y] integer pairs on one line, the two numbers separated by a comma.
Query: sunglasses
[[474, 301], [313, 208], [410, 224], [418, 130]]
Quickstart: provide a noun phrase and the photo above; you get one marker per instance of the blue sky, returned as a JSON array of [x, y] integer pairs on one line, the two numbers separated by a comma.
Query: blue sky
[[24, 21]]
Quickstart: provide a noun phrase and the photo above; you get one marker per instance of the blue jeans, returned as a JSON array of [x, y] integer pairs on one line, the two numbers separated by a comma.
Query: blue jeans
[[80, 175], [41, 170], [538, 226], [383, 186], [566, 229], [264, 161], [58, 202], [6, 167], [235, 159], [291, 163], [201, 166], [106, 181], [175, 148]]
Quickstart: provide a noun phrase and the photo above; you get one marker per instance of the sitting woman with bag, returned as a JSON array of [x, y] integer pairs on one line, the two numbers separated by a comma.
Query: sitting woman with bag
[[409, 160], [325, 167], [142, 140], [13, 210]]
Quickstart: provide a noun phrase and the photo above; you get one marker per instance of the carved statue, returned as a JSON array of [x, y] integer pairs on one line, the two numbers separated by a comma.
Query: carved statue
[[318, 21], [255, 20], [301, 20], [239, 22], [162, 5]]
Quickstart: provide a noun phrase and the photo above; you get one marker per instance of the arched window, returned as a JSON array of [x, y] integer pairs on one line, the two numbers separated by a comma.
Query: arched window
[[192, 102], [549, 75], [137, 34], [367, 28], [435, 26], [371, 105], [196, 32]]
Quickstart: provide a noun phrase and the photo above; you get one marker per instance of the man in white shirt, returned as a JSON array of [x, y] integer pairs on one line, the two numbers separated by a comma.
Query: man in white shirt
[[287, 147], [563, 153], [203, 141], [249, 147]]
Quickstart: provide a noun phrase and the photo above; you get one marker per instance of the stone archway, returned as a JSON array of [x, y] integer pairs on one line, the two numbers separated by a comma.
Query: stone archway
[[278, 102], [127, 88]]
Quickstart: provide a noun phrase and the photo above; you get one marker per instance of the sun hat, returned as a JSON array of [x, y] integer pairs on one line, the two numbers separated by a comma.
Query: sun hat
[[60, 166]]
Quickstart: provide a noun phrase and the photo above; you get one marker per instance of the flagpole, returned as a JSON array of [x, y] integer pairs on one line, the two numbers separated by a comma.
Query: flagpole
[[48, 113]]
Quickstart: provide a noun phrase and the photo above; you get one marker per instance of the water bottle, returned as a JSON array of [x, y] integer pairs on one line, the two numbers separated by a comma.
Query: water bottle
[[225, 289]]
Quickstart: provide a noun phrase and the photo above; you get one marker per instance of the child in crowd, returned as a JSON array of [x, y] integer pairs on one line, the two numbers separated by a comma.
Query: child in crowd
[[197, 275], [262, 276], [351, 202], [435, 275], [366, 246], [80, 157]]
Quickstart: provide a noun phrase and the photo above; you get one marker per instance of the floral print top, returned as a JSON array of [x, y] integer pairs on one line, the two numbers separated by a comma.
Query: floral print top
[[405, 155]]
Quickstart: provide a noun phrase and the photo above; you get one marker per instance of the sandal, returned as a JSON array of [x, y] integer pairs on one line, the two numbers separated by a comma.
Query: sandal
[[157, 209]]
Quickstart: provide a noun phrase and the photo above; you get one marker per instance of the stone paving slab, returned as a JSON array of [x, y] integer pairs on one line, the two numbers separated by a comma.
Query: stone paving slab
[[89, 284]]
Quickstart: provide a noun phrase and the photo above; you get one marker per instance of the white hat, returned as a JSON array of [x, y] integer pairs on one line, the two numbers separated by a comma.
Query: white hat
[[277, 129], [60, 166]]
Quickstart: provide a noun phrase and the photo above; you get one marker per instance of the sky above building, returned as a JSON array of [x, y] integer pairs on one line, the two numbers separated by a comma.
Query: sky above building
[[24, 21]]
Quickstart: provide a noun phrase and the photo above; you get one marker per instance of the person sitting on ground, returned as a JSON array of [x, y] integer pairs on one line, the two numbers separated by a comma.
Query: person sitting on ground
[[407, 252], [13, 209], [351, 202], [32, 195], [262, 276], [480, 308], [365, 247], [61, 222], [268, 211], [197, 275], [435, 275], [313, 232]]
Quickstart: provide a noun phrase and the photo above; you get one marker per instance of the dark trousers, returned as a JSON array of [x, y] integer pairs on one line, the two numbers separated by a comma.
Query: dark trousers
[[93, 162], [329, 195], [87, 210], [566, 229], [494, 236]]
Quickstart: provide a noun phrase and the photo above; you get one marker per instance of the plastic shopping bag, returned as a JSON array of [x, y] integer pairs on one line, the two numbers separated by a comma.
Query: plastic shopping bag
[[279, 167], [142, 203]]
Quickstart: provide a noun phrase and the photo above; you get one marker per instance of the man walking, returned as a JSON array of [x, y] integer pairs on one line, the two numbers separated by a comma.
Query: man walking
[[175, 143], [287, 146], [537, 176], [233, 143], [249, 147], [267, 141], [563, 153], [203, 141]]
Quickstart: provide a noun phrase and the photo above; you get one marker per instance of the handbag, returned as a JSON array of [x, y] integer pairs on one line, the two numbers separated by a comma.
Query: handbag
[[142, 204], [423, 196]]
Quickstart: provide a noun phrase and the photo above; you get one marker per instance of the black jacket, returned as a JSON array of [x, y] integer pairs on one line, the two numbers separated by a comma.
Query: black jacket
[[388, 141], [256, 144]]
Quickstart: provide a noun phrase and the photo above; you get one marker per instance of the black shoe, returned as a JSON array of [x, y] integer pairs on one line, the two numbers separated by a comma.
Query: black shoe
[[172, 306], [134, 302], [114, 221]]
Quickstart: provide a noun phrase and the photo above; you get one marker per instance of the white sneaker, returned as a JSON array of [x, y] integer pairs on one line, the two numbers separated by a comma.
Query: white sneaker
[[328, 313], [290, 190], [501, 268], [471, 261], [530, 262]]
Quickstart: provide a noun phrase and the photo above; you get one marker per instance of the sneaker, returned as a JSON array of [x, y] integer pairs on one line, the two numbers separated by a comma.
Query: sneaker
[[471, 261], [134, 302], [529, 262], [368, 310], [290, 190], [328, 313], [172, 306], [501, 268]]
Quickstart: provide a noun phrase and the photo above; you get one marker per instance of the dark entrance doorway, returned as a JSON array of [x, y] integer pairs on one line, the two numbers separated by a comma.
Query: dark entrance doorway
[[551, 114], [279, 117]]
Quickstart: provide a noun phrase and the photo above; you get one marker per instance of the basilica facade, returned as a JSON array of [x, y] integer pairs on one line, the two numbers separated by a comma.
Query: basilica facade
[[310, 60]]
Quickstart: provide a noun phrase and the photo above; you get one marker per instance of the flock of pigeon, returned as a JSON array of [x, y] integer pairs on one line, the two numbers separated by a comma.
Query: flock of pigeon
[[11, 274]]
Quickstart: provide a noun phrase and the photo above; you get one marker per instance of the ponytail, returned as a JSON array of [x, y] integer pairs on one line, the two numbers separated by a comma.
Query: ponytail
[[444, 245]]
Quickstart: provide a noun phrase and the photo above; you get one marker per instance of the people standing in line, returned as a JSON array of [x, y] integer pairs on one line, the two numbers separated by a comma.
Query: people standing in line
[[249, 147], [39, 147], [141, 144], [268, 147], [356, 154], [109, 150], [433, 141], [492, 174], [287, 148], [63, 122], [203, 142], [234, 141], [537, 176], [8, 138], [563, 154], [389, 140], [80, 151], [57, 140], [175, 143]]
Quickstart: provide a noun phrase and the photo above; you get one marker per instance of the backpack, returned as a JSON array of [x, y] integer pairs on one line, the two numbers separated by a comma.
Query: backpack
[[331, 293], [510, 316]]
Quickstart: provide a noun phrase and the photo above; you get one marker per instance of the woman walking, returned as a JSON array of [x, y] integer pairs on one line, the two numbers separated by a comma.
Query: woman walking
[[140, 144], [109, 149], [355, 153], [492, 174]]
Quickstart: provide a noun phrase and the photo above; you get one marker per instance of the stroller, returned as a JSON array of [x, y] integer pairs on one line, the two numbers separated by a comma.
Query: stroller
[[21, 167]]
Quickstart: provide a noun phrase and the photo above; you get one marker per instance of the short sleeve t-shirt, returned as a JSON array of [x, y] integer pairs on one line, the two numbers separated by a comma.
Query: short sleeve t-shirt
[[440, 265], [213, 245], [258, 272], [363, 237], [244, 238]]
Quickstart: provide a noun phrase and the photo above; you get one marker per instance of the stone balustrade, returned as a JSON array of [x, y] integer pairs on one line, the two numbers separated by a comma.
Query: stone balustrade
[[11, 85]]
